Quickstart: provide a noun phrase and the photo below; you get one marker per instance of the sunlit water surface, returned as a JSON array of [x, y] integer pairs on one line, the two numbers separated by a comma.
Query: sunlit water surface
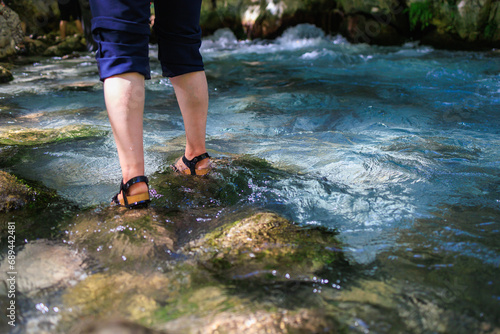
[[397, 148]]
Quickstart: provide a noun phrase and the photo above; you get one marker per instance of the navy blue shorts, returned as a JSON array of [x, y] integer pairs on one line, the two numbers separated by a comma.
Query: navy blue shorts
[[121, 31]]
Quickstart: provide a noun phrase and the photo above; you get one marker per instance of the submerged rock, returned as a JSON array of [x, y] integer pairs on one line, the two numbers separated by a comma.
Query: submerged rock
[[42, 265], [107, 326], [130, 295], [118, 237], [266, 247], [198, 290], [256, 322], [34, 209], [33, 137]]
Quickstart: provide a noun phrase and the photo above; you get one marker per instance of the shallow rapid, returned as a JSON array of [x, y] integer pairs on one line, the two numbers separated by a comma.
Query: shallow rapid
[[396, 148]]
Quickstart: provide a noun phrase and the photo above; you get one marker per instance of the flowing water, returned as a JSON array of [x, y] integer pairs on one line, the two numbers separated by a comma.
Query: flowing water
[[396, 148]]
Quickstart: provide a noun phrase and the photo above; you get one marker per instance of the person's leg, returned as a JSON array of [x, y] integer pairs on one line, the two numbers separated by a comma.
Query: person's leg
[[192, 95], [122, 36], [124, 97], [79, 26], [179, 39], [62, 28]]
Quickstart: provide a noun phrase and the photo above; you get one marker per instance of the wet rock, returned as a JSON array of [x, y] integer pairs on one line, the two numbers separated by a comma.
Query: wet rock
[[67, 46], [39, 16], [185, 293], [266, 247], [13, 193], [461, 24], [34, 209], [42, 265], [33, 137], [5, 75], [126, 295], [11, 33], [118, 237], [106, 326], [256, 322], [34, 47], [464, 24], [79, 86], [360, 28]]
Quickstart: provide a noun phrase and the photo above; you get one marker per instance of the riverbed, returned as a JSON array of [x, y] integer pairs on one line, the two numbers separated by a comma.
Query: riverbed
[[396, 149]]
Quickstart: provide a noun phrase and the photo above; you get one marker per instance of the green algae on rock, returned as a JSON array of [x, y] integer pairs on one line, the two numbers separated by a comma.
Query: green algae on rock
[[117, 237], [266, 247], [192, 293], [13, 193], [122, 294], [34, 137], [35, 209], [67, 46]]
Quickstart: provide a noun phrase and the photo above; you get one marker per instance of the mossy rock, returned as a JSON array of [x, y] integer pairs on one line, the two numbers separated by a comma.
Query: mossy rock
[[130, 295], [67, 46], [34, 137], [13, 193], [36, 210], [266, 247], [121, 238], [191, 292], [231, 182], [34, 47], [255, 322]]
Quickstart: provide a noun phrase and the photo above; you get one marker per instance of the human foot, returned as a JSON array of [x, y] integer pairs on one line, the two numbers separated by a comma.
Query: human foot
[[199, 165], [133, 194]]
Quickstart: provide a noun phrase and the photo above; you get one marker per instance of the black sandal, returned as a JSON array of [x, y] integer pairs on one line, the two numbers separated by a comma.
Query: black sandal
[[134, 201], [191, 165]]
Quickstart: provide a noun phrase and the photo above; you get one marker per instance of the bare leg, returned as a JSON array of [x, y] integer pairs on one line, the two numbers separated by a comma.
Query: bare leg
[[124, 96], [79, 26], [191, 91], [62, 28]]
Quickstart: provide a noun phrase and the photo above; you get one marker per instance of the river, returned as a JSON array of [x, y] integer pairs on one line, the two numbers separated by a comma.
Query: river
[[396, 148]]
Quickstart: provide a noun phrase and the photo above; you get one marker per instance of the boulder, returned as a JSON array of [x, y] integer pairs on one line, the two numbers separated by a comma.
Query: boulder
[[39, 16], [11, 33], [451, 24], [464, 24]]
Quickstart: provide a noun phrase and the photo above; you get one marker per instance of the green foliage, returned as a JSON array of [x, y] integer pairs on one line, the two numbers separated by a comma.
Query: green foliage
[[420, 15]]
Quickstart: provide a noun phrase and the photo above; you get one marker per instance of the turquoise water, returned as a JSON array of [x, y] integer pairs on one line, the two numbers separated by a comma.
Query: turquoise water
[[397, 148]]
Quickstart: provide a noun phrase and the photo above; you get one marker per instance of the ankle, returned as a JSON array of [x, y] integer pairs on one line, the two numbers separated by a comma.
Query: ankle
[[137, 188]]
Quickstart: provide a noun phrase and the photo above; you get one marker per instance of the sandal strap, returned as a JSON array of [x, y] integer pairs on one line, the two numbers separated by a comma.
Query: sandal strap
[[134, 180], [124, 186], [191, 164]]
